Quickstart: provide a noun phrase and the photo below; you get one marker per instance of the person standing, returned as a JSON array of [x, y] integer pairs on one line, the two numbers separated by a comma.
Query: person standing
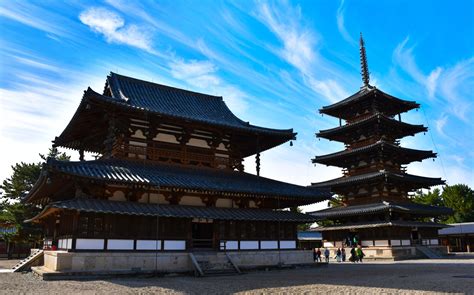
[[353, 255], [360, 254], [314, 255], [338, 255], [318, 255], [343, 254], [326, 255]]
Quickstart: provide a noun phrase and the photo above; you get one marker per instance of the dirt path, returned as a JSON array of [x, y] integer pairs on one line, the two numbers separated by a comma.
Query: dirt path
[[414, 277]]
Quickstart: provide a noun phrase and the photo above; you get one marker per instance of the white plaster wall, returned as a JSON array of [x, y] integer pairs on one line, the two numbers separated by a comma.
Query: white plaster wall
[[248, 245], [287, 244], [90, 244], [434, 242], [367, 243], [379, 243], [224, 203], [406, 242], [230, 245], [395, 242], [191, 201], [119, 244], [328, 244], [118, 196], [221, 147], [138, 134], [157, 199], [198, 143], [166, 138], [148, 245], [269, 245], [175, 245]]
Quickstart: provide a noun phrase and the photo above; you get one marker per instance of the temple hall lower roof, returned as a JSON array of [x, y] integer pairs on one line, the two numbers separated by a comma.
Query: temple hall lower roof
[[177, 211], [187, 178], [413, 181], [394, 223], [373, 208]]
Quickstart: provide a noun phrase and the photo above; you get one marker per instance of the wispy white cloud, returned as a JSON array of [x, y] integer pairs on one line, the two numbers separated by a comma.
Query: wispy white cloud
[[457, 87], [441, 124], [452, 85], [114, 29], [202, 76], [299, 47], [298, 41], [341, 26], [403, 56]]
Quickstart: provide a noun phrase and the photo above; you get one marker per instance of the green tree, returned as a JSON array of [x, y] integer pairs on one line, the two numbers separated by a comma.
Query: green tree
[[335, 201], [432, 198], [301, 227], [460, 198], [13, 212]]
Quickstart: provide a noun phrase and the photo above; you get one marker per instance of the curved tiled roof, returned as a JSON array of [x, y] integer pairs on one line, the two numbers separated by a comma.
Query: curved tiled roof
[[186, 178], [399, 223], [416, 180], [400, 128], [338, 158], [394, 105], [179, 103], [373, 208], [177, 211]]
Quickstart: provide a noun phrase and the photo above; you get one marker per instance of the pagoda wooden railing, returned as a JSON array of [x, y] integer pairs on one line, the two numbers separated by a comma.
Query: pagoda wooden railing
[[170, 154]]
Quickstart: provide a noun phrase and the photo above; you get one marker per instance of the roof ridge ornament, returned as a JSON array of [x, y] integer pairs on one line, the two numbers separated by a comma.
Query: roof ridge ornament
[[364, 67]]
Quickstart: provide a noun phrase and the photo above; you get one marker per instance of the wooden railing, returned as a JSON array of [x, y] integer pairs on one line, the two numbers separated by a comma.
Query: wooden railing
[[168, 154]]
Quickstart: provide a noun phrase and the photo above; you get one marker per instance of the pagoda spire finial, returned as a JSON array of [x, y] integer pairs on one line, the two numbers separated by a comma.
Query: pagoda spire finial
[[364, 67]]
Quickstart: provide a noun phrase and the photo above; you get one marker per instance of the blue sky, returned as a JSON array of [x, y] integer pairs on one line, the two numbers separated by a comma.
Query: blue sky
[[275, 64]]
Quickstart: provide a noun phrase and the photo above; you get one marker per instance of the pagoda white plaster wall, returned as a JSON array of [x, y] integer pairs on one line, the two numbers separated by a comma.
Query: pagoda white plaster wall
[[168, 138], [118, 196], [224, 203], [191, 201], [248, 245], [221, 147], [197, 142], [153, 198], [174, 245], [138, 134]]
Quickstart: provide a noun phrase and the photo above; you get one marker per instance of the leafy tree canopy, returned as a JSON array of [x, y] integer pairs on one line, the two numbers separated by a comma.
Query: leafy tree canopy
[[13, 189]]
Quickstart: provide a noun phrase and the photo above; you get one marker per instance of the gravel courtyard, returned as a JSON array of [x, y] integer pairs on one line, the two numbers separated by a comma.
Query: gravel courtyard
[[414, 277]]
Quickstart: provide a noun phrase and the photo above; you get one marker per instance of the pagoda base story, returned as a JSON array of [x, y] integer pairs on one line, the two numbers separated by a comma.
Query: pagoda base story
[[161, 262]]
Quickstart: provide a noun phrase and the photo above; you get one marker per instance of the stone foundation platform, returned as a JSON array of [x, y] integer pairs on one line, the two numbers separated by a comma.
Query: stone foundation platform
[[390, 253], [63, 264]]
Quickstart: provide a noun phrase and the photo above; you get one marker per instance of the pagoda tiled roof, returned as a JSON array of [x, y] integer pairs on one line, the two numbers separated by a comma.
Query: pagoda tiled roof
[[389, 104], [414, 180], [406, 155], [176, 211], [399, 129], [373, 208], [179, 103], [186, 178], [374, 224]]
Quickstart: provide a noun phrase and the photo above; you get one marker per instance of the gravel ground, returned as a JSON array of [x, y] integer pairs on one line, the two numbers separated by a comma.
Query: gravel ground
[[414, 277]]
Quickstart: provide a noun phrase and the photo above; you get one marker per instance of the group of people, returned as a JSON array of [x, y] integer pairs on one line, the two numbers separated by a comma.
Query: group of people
[[357, 255]]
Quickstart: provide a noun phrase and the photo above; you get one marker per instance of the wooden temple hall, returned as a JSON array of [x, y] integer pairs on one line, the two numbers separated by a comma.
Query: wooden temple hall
[[376, 211], [168, 177]]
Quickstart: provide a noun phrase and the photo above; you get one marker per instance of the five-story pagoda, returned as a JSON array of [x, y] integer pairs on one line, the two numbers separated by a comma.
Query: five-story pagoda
[[376, 211]]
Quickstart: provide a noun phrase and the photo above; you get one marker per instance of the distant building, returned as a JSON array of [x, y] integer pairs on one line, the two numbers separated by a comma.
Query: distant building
[[459, 237], [309, 240], [376, 211]]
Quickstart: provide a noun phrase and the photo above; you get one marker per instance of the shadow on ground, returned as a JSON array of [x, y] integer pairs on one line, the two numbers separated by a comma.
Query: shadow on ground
[[433, 276]]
